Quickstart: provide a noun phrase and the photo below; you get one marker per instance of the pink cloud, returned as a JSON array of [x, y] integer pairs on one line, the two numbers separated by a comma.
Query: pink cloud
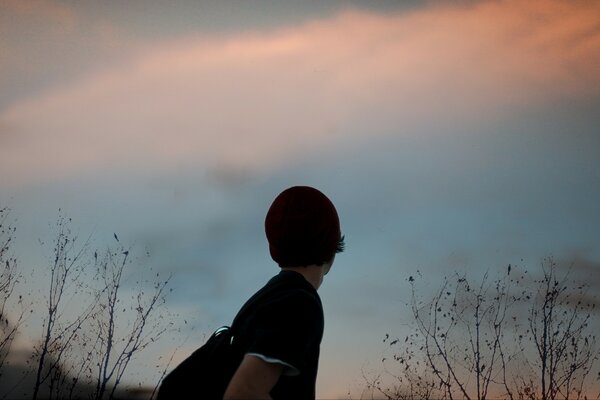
[[41, 11], [259, 100]]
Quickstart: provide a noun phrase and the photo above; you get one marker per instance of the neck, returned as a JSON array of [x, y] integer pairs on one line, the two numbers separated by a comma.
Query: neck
[[312, 273]]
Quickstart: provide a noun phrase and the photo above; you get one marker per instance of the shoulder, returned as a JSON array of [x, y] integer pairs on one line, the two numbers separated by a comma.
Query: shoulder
[[291, 288], [290, 311], [293, 301]]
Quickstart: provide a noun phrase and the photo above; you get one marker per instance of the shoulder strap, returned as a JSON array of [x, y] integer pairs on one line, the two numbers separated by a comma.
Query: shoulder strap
[[241, 315], [249, 306], [246, 309]]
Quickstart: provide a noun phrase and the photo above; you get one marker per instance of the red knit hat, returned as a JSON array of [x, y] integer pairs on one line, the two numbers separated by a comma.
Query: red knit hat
[[302, 227]]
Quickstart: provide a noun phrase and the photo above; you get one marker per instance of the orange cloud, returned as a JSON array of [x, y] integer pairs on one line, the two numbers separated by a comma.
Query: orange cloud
[[259, 100], [40, 10]]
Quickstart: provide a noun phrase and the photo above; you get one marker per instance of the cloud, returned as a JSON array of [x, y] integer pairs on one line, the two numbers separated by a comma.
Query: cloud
[[45, 44], [21, 24], [251, 101], [41, 10]]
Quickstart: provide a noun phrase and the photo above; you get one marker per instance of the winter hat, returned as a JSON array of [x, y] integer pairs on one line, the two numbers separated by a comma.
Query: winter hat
[[302, 227]]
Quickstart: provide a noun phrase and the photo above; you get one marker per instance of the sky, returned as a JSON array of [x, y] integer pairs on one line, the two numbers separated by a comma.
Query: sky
[[451, 136]]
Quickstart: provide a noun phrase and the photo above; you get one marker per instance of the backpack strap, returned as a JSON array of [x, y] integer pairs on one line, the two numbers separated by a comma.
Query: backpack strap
[[241, 315], [249, 306]]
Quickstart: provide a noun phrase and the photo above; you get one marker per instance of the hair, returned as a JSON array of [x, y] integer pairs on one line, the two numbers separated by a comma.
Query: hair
[[340, 247]]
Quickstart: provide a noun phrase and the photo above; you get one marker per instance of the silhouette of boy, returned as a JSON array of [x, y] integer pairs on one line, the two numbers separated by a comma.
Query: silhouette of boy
[[282, 334]]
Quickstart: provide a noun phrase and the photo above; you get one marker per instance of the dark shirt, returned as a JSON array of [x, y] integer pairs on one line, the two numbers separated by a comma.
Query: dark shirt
[[284, 322]]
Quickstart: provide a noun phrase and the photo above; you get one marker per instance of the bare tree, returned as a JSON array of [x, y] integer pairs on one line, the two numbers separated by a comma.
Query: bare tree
[[93, 328], [60, 331], [513, 337], [12, 310], [411, 381], [9, 277], [115, 348], [461, 331], [565, 347], [95, 320]]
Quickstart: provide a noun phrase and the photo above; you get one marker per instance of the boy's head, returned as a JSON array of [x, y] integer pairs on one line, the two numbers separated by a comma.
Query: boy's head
[[303, 228]]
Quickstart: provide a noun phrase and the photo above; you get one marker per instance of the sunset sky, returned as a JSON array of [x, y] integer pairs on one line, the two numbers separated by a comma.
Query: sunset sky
[[451, 136]]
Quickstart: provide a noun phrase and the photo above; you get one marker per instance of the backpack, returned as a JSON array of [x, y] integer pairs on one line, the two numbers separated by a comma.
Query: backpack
[[206, 372]]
